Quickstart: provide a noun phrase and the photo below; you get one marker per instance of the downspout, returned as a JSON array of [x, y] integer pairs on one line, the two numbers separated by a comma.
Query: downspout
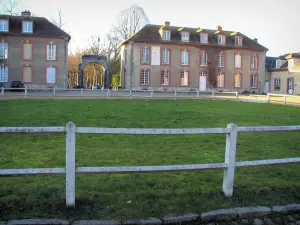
[[66, 67], [131, 70]]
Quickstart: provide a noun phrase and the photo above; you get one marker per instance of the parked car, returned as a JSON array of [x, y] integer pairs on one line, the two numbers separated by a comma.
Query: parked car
[[97, 87], [2, 85], [16, 84]]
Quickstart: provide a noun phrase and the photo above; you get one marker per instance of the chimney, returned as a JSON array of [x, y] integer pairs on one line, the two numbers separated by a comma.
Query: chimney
[[219, 28], [255, 39], [26, 13], [167, 23]]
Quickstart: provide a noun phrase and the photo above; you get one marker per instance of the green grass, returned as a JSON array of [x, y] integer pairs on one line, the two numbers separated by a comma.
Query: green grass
[[143, 195]]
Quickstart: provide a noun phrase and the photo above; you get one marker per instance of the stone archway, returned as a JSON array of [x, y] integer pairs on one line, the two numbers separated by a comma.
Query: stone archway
[[101, 60]]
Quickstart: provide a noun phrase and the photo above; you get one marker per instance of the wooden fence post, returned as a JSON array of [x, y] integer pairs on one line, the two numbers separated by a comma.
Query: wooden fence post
[[54, 91], [70, 164], [151, 93], [197, 93], [25, 91], [213, 95], [175, 94], [230, 151], [2, 90], [130, 94], [284, 99], [81, 92], [268, 98], [107, 94], [237, 96]]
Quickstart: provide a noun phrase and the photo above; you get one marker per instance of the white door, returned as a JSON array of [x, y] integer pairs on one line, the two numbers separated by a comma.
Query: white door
[[290, 86], [266, 88], [202, 82]]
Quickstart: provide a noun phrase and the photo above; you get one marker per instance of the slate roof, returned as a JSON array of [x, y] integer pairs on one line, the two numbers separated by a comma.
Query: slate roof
[[150, 33], [41, 27]]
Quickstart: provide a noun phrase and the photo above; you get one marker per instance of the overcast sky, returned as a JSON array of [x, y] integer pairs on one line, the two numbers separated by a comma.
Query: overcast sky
[[275, 23]]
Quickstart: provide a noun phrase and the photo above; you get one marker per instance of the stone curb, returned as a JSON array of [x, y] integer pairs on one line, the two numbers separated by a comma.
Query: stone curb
[[179, 219], [246, 212], [215, 215], [38, 222]]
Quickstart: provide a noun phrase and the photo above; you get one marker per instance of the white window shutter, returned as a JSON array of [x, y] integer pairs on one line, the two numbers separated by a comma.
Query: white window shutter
[[48, 52], [54, 52]]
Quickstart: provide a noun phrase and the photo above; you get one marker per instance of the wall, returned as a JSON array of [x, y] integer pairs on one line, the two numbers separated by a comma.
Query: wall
[[133, 52], [283, 76], [39, 63]]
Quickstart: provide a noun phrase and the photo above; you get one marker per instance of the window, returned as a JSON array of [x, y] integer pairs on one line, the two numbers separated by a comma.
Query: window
[[145, 77], [203, 58], [27, 53], [27, 27], [51, 51], [184, 58], [165, 57], [221, 39], [221, 60], [253, 80], [51, 75], [185, 36], [166, 35], [145, 56], [277, 83], [27, 74], [237, 61], [3, 73], [220, 79], [238, 41], [3, 25], [203, 38], [254, 62], [164, 77], [237, 80], [3, 50], [184, 78], [278, 64]]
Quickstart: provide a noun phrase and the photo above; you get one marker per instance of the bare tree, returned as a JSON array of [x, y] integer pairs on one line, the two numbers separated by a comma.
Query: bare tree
[[59, 20], [10, 7], [130, 20]]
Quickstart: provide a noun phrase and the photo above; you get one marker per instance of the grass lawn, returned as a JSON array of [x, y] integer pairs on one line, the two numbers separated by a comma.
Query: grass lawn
[[144, 195]]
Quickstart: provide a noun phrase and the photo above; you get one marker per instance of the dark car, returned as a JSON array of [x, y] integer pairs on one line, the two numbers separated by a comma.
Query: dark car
[[2, 85], [16, 84]]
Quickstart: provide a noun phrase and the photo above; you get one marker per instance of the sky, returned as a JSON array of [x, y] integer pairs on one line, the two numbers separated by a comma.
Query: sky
[[273, 22]]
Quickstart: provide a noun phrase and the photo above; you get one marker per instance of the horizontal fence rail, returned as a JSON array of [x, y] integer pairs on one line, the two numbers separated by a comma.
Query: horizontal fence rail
[[70, 169]]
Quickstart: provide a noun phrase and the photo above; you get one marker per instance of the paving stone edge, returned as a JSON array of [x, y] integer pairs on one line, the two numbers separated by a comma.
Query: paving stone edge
[[210, 216]]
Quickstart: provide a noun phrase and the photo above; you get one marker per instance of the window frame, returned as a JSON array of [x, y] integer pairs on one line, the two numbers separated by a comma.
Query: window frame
[[287, 83], [188, 58], [200, 58], [149, 77], [277, 87], [221, 35], [188, 78], [31, 74], [235, 64], [218, 59], [4, 21], [161, 56], [7, 71], [7, 49], [236, 40], [251, 80], [206, 34], [53, 44], [188, 36], [169, 78], [24, 28], [32, 49], [218, 75], [51, 66], [278, 60], [149, 56], [252, 62], [163, 34], [241, 80]]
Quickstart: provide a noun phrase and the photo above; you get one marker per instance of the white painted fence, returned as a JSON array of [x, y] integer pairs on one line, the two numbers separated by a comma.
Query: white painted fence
[[70, 170], [293, 99]]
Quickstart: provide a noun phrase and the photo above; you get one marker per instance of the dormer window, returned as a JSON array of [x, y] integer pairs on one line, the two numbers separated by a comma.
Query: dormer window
[[203, 38], [185, 36], [3, 25], [278, 63], [27, 26], [221, 39], [238, 41], [166, 35]]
